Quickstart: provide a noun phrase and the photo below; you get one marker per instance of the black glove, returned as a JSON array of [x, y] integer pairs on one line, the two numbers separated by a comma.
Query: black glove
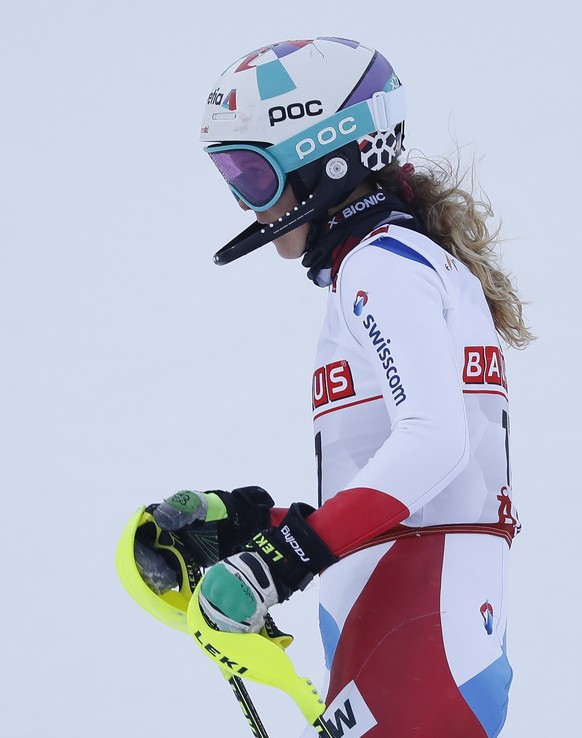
[[237, 592], [212, 525]]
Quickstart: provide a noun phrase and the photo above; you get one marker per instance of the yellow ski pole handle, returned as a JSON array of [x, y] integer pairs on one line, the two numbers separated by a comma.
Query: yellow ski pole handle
[[258, 658]]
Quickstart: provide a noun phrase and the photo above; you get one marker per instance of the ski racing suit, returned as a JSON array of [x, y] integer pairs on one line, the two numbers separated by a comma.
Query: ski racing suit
[[410, 410]]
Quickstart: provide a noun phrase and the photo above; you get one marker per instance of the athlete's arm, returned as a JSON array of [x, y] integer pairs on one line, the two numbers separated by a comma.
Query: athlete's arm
[[404, 335]]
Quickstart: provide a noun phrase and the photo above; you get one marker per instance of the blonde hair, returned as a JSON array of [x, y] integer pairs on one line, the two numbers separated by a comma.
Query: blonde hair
[[453, 218]]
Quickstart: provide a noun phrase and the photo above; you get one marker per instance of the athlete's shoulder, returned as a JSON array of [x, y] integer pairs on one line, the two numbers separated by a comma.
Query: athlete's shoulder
[[410, 245], [392, 250]]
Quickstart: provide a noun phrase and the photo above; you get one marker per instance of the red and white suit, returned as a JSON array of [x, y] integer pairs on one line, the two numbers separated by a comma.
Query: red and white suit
[[411, 422]]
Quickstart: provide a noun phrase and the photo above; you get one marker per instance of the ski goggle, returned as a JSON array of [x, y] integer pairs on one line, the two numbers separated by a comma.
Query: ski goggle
[[251, 172]]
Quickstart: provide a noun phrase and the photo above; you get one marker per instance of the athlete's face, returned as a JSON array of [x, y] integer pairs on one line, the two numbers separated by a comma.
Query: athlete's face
[[291, 245]]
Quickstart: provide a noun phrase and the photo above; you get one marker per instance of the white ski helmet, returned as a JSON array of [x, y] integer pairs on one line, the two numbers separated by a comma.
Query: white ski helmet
[[318, 113]]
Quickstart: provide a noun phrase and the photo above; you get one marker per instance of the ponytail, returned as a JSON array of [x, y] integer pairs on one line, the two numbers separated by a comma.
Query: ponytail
[[456, 221]]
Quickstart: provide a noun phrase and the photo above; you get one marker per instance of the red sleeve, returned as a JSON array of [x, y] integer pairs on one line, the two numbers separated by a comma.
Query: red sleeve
[[356, 516], [277, 515]]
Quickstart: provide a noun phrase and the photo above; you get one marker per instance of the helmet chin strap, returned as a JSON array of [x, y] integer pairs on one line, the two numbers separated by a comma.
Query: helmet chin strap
[[339, 174]]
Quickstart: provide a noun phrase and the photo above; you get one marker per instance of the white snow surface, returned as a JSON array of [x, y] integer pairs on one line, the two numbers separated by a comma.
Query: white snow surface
[[132, 366]]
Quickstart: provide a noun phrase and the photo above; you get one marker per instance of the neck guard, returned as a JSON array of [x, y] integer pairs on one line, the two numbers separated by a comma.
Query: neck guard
[[331, 239]]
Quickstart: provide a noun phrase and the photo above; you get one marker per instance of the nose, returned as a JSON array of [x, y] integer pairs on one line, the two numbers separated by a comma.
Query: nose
[[243, 205]]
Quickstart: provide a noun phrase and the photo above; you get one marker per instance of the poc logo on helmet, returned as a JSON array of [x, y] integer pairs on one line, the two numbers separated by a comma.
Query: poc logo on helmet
[[325, 137], [294, 111]]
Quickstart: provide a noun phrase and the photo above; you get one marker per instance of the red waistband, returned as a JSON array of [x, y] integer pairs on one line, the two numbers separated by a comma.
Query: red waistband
[[403, 531]]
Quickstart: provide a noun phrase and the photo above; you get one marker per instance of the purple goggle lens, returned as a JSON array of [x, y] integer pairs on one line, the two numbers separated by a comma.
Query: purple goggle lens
[[254, 178]]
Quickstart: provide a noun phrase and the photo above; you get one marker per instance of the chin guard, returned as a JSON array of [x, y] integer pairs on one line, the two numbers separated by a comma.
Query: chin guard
[[259, 234], [337, 175]]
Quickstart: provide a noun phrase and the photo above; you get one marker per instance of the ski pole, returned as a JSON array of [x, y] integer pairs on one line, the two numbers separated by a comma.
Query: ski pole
[[259, 658], [246, 704], [271, 666]]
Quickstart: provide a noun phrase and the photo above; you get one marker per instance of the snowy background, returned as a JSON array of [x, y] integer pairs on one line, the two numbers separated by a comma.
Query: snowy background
[[132, 366]]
